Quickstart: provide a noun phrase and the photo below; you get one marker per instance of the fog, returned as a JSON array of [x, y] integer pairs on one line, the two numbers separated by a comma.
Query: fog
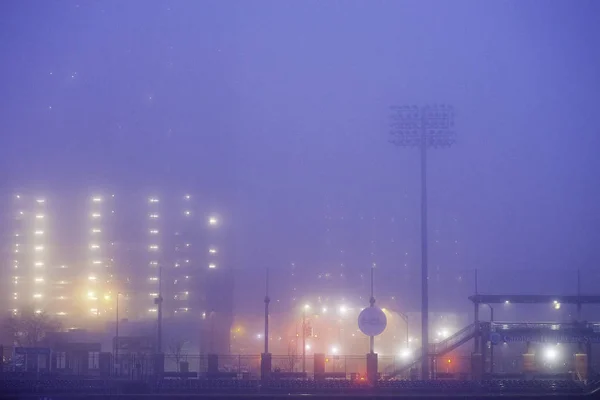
[[278, 114]]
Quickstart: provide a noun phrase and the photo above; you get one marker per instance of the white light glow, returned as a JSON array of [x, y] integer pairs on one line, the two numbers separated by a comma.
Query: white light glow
[[153, 200], [40, 216], [97, 199], [324, 310], [406, 353], [39, 264], [92, 278], [96, 230], [94, 246], [307, 347], [212, 250], [154, 231], [40, 201], [213, 221], [212, 266], [335, 350], [187, 197], [39, 232], [39, 248], [551, 354], [96, 215], [39, 280], [37, 296], [153, 216], [343, 310]]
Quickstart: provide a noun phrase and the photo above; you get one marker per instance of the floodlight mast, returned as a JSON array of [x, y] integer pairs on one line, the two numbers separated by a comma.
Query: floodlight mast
[[423, 127]]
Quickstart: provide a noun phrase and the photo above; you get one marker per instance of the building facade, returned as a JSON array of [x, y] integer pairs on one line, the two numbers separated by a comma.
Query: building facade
[[129, 250]]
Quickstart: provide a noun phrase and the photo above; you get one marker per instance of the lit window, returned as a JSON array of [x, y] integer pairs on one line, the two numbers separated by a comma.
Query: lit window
[[39, 216], [212, 266], [153, 294], [187, 212], [153, 216], [96, 230], [212, 250], [97, 199], [152, 310], [154, 231], [96, 215], [39, 280], [153, 200], [92, 278], [40, 201], [39, 248], [153, 247], [94, 246], [37, 296], [213, 221], [39, 232], [61, 313], [153, 278], [97, 262]]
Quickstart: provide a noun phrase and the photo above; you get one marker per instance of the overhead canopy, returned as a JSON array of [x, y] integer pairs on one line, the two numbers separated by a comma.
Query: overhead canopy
[[533, 299]]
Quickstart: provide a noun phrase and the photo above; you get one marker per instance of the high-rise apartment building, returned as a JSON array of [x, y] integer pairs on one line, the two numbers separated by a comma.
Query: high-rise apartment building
[[132, 248]]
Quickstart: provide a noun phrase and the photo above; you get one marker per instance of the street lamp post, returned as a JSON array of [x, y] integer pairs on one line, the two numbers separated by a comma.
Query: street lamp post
[[491, 344], [267, 301], [304, 338], [116, 358], [159, 301], [423, 127]]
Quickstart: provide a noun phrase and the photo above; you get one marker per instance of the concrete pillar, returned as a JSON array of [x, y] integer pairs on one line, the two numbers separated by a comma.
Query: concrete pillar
[[372, 367], [477, 366], [319, 366], [159, 365], [213, 364], [265, 366]]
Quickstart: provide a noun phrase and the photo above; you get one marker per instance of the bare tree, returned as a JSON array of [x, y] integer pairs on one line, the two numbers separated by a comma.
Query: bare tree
[[176, 348], [29, 328], [292, 356]]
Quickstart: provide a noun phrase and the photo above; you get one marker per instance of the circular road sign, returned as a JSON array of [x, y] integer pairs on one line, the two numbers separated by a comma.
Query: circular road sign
[[372, 321]]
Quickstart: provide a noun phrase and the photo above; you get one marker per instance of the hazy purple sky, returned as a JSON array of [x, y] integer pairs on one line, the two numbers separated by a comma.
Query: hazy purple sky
[[280, 108]]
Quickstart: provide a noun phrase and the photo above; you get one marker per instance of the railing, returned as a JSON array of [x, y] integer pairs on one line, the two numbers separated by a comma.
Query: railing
[[437, 349], [452, 342]]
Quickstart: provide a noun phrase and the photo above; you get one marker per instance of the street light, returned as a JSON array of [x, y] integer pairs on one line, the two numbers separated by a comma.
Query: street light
[[423, 127], [117, 336], [491, 344]]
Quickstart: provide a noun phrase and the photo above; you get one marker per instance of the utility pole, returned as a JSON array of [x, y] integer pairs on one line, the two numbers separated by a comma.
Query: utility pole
[[158, 301], [423, 127], [116, 360], [304, 340], [267, 301], [372, 304]]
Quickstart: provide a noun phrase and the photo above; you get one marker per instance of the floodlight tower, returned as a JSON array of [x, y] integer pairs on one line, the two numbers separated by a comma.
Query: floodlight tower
[[423, 127]]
